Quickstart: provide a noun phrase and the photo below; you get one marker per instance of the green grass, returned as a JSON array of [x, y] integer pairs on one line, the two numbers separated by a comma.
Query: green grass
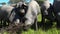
[[52, 30]]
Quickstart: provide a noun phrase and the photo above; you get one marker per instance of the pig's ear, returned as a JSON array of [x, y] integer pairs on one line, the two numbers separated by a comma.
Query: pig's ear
[[16, 5]]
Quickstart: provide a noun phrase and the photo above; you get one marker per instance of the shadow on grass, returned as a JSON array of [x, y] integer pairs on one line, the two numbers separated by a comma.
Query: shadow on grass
[[44, 26], [58, 26]]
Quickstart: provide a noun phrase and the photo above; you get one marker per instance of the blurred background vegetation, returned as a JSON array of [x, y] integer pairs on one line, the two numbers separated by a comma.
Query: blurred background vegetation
[[16, 1]]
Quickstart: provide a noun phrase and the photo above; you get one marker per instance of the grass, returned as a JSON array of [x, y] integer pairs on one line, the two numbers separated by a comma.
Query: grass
[[41, 30]]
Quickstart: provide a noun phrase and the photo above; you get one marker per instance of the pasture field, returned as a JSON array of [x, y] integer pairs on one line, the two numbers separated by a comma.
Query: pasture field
[[47, 29]]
